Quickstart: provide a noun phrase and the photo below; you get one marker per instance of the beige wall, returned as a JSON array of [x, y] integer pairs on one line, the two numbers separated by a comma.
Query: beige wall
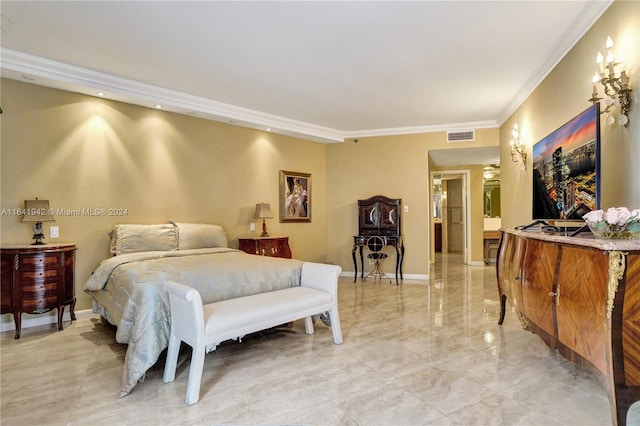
[[560, 97], [398, 167], [83, 152]]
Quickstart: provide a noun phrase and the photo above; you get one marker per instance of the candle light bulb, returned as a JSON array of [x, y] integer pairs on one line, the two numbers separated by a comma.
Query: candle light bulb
[[623, 120], [596, 77], [599, 58], [610, 58], [609, 43], [610, 120]]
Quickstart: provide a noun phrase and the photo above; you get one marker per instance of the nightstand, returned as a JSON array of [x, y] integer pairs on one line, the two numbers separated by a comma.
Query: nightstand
[[274, 246], [37, 279]]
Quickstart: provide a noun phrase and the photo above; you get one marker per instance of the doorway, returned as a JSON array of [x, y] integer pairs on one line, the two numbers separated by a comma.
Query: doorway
[[450, 214], [454, 215]]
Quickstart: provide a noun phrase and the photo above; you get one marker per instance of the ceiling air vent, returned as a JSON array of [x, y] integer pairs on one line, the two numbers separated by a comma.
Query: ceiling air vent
[[461, 136]]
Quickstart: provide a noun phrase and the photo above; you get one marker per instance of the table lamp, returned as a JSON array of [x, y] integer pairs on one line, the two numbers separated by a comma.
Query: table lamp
[[263, 211], [37, 211]]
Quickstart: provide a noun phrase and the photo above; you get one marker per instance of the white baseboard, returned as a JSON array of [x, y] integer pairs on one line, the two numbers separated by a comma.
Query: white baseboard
[[415, 276], [50, 317], [404, 276]]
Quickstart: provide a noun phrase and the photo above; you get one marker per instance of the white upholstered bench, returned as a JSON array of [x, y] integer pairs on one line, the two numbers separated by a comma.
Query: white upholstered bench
[[205, 327]]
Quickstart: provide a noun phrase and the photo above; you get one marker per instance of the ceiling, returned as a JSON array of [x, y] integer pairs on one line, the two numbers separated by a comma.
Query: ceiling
[[324, 71]]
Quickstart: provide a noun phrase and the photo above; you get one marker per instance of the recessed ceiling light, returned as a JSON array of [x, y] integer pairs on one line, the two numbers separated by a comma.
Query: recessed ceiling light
[[158, 106], [268, 129], [100, 94]]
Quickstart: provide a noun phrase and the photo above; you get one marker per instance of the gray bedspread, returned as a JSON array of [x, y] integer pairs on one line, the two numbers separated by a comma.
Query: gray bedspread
[[128, 292]]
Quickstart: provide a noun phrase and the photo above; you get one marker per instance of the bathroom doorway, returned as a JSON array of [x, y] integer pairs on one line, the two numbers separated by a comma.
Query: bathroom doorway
[[450, 220]]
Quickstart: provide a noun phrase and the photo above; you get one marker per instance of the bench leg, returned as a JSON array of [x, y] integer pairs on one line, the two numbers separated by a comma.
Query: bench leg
[[308, 325], [172, 359], [195, 375], [335, 325]]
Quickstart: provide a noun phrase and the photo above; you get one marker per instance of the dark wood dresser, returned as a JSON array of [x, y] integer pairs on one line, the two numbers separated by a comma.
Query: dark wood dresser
[[581, 296], [37, 279], [274, 246]]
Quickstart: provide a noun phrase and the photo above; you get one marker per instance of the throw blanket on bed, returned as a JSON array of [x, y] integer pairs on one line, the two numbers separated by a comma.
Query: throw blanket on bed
[[128, 289]]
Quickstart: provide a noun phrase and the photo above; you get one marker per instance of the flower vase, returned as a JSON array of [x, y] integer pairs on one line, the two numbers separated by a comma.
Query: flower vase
[[604, 230]]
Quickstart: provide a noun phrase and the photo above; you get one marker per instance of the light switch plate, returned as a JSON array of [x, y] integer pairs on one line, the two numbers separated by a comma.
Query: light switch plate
[[406, 209], [252, 226], [53, 232]]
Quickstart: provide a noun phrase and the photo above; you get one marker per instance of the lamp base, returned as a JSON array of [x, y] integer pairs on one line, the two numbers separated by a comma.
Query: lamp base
[[38, 234], [264, 229], [38, 238]]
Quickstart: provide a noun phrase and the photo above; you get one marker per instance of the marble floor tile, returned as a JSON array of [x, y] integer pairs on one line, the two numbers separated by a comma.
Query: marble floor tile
[[421, 353]]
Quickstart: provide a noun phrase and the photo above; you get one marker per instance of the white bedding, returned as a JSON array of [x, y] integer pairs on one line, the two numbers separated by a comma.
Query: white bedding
[[128, 290]]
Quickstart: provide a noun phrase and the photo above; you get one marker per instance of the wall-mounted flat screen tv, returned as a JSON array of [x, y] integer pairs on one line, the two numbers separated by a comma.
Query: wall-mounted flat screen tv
[[566, 169]]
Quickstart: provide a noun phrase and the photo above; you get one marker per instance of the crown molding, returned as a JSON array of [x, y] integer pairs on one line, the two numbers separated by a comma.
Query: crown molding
[[589, 14], [45, 72], [36, 70], [489, 124]]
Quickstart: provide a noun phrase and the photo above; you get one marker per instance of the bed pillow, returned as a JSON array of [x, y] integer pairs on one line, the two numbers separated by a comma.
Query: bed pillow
[[200, 235], [137, 238]]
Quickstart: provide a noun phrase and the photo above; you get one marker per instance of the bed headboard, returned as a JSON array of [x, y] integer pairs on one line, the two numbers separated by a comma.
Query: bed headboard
[[133, 238]]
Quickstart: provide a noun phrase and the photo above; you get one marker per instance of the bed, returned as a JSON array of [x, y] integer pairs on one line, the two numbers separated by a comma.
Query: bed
[[127, 288]]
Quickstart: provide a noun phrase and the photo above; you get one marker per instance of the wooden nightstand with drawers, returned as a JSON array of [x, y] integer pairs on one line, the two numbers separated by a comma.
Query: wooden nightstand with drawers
[[37, 279], [273, 246]]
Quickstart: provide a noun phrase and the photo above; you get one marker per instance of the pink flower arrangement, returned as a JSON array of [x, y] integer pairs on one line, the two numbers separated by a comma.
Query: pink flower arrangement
[[616, 222]]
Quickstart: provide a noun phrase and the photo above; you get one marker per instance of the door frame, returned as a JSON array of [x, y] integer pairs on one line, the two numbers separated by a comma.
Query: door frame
[[465, 175]]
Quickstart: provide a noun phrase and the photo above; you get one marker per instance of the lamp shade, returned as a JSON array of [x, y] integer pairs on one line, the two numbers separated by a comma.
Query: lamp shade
[[263, 211], [37, 211]]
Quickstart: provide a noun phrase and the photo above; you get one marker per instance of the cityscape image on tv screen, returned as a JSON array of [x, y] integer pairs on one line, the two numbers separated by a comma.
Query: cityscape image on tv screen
[[566, 169]]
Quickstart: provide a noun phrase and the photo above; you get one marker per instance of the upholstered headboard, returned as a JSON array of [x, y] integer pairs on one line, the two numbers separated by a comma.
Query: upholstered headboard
[[133, 238]]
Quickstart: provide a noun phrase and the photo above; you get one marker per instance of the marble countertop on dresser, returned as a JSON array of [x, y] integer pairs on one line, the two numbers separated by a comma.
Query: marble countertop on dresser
[[585, 240]]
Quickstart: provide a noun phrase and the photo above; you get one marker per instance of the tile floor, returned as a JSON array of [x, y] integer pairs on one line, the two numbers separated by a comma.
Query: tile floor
[[415, 354]]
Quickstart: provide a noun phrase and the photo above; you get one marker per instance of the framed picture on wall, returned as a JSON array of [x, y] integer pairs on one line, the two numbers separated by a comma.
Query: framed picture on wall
[[295, 196]]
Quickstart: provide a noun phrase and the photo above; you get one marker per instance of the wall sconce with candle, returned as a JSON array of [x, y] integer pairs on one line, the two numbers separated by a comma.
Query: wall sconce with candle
[[616, 86], [518, 151]]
